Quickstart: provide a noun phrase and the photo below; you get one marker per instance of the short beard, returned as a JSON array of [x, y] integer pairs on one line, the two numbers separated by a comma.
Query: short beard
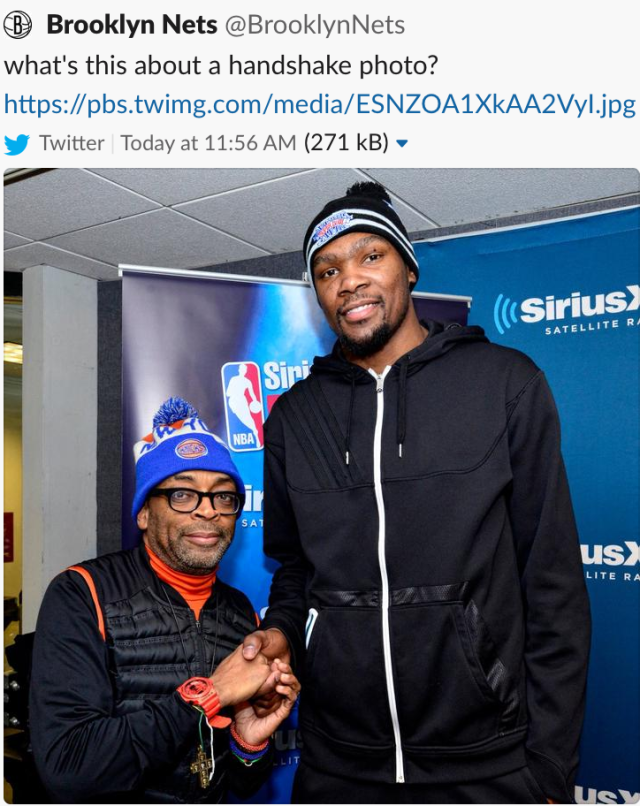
[[365, 348], [184, 558], [199, 563], [377, 339]]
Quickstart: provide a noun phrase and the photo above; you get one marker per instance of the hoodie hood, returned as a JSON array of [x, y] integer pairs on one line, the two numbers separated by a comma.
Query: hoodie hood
[[441, 338]]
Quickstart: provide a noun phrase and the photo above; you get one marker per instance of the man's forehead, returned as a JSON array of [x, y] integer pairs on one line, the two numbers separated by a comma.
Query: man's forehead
[[347, 245], [200, 477]]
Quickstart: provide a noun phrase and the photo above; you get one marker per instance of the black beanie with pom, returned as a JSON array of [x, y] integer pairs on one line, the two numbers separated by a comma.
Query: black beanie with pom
[[366, 207]]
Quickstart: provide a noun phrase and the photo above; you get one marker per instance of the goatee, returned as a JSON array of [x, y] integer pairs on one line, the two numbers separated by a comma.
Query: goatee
[[373, 343]]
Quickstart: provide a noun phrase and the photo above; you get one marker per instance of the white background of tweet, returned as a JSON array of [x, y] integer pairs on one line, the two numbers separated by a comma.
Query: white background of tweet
[[497, 47]]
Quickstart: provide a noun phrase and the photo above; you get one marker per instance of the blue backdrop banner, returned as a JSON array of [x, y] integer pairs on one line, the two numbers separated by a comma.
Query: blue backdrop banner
[[229, 347], [567, 294]]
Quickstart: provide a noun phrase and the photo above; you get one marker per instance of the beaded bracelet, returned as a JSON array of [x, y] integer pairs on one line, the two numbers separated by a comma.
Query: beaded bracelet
[[243, 755], [249, 748], [239, 749]]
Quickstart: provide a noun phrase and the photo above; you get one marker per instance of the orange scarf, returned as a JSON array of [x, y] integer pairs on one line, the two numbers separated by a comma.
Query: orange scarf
[[195, 590]]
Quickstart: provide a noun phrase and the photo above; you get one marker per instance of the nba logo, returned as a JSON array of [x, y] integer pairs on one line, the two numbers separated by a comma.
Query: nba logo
[[242, 392]]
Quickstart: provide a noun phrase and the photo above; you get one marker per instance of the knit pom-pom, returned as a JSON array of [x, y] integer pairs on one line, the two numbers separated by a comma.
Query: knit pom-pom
[[371, 189], [173, 410]]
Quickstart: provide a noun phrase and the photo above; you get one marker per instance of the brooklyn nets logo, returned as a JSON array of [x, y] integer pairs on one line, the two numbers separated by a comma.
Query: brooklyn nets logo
[[17, 24]]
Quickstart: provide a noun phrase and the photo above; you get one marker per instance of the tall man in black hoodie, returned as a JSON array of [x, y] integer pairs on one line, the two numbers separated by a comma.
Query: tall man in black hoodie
[[416, 498]]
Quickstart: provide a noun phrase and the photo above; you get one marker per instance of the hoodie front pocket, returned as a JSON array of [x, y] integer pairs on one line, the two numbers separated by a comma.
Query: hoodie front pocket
[[344, 689], [444, 695]]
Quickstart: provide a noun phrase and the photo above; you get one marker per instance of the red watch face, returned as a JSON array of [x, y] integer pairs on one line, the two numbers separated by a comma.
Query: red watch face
[[196, 687]]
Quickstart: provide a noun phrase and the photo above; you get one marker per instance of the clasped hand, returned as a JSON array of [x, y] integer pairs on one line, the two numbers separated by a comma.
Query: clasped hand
[[237, 680]]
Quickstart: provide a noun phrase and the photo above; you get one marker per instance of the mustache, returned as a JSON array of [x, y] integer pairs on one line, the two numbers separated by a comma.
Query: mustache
[[355, 298], [217, 532]]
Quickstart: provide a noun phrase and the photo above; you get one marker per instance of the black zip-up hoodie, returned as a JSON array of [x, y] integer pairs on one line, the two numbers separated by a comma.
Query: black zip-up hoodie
[[426, 537]]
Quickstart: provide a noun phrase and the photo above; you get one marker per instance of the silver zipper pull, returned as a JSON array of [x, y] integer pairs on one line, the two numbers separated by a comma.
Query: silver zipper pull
[[379, 383]]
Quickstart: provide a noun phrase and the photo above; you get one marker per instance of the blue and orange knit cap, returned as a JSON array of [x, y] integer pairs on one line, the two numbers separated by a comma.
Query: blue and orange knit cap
[[179, 442], [366, 207]]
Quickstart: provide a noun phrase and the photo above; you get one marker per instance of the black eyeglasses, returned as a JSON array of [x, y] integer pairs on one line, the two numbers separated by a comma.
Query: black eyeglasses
[[182, 499]]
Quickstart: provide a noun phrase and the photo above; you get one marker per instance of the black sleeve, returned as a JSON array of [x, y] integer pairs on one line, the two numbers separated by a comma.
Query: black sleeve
[[553, 589], [288, 598], [82, 750], [245, 781]]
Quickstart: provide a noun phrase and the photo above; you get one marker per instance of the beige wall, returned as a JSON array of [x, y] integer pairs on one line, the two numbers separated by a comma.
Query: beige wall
[[13, 503]]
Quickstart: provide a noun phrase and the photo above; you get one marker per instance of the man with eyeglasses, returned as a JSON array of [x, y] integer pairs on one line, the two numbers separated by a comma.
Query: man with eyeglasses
[[133, 659]]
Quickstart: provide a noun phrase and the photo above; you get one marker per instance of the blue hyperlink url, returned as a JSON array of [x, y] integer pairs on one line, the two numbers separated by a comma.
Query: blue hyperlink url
[[325, 104]]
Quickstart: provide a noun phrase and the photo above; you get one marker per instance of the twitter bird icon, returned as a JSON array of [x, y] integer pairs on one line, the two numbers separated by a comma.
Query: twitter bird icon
[[16, 146]]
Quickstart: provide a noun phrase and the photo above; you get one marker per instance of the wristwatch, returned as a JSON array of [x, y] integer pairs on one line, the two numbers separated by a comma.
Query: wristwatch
[[201, 693]]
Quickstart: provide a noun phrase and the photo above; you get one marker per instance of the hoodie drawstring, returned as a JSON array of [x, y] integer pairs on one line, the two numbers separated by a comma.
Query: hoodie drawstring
[[402, 406], [347, 443], [402, 410]]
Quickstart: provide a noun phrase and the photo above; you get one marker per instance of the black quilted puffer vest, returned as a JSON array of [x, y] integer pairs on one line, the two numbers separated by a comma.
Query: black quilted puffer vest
[[154, 644]]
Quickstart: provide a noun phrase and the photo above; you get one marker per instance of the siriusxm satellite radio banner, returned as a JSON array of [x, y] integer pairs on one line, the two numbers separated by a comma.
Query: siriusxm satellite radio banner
[[567, 294], [229, 347]]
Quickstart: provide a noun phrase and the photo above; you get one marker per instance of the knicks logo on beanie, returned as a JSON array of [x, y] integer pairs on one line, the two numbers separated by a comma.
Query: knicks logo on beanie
[[179, 441]]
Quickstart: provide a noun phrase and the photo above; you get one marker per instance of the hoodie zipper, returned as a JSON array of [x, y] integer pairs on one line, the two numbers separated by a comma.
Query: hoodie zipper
[[203, 645], [382, 560]]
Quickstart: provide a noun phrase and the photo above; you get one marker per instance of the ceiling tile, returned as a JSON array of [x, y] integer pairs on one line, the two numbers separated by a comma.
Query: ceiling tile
[[161, 238], [64, 200], [291, 204], [11, 240], [38, 254], [88, 215], [171, 186], [462, 196]]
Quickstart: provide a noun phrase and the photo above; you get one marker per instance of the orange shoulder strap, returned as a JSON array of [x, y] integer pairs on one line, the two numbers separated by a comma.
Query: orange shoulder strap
[[94, 595]]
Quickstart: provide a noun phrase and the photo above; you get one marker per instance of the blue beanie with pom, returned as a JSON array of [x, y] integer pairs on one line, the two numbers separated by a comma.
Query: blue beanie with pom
[[179, 442]]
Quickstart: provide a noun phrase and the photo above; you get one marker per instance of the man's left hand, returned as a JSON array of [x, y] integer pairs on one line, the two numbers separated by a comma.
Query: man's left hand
[[255, 729]]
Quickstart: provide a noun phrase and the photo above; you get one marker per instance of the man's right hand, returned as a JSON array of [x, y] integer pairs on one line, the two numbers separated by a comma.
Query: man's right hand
[[237, 679], [271, 643]]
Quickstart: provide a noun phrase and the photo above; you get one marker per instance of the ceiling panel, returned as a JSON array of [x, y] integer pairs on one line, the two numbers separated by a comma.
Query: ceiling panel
[[171, 186], [462, 196], [65, 200], [11, 240], [292, 202], [160, 238], [38, 254], [247, 213]]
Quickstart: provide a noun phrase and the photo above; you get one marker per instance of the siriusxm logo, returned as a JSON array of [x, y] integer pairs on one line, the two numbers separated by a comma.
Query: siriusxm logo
[[585, 794], [629, 554], [288, 740], [280, 376], [575, 306], [253, 499]]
